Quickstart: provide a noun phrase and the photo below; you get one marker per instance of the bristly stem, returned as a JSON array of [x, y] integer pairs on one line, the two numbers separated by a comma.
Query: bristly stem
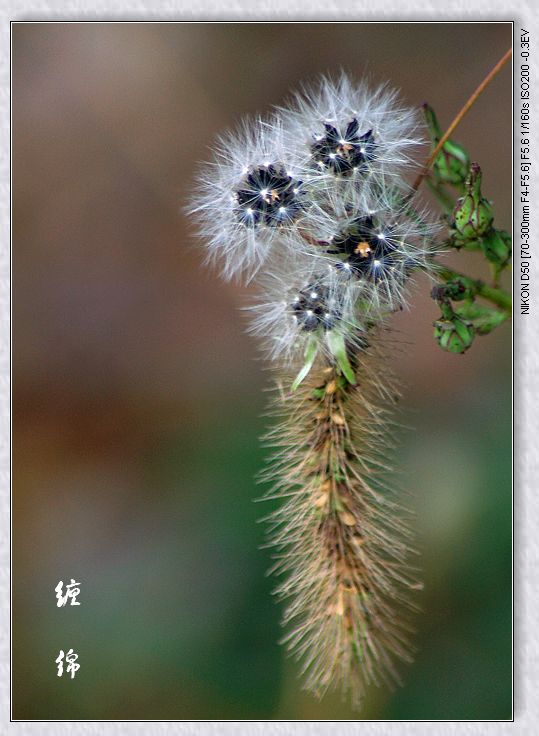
[[472, 99], [343, 542]]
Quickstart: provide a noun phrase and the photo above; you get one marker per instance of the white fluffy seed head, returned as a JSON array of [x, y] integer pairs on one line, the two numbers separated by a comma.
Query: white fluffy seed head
[[248, 197], [379, 242], [303, 306], [353, 130], [320, 181]]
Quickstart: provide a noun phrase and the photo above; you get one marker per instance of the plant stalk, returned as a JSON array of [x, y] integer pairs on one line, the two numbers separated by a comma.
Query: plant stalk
[[458, 118], [499, 297]]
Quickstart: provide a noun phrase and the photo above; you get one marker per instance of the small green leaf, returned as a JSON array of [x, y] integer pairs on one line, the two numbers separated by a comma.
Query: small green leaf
[[338, 350], [310, 355]]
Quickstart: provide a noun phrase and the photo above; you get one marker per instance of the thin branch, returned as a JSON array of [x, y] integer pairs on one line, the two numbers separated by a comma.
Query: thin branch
[[484, 84]]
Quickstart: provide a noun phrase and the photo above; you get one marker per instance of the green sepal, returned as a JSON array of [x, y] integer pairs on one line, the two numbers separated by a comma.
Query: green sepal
[[465, 330], [459, 242], [484, 319], [496, 245], [338, 350], [454, 335], [311, 350]]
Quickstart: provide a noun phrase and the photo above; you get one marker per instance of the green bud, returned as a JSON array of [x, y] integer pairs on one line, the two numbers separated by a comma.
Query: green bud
[[454, 335], [452, 163], [496, 245], [473, 214]]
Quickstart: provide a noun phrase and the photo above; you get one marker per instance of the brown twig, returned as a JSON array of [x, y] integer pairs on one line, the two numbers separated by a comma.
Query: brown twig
[[472, 99]]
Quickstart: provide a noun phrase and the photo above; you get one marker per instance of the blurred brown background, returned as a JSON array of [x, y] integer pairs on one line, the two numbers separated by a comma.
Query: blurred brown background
[[138, 396]]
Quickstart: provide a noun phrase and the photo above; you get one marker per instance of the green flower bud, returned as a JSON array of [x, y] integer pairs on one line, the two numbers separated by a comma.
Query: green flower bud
[[454, 335], [452, 163], [473, 214], [496, 245]]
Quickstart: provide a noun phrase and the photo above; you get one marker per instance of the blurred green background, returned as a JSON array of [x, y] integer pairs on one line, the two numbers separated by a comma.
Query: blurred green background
[[138, 396]]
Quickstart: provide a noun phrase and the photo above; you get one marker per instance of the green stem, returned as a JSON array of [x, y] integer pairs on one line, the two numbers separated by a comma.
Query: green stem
[[499, 297]]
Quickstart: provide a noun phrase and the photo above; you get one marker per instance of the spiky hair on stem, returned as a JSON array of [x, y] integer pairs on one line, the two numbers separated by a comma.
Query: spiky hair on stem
[[342, 541]]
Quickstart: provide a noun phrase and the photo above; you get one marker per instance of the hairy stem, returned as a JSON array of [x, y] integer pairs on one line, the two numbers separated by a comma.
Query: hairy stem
[[342, 540]]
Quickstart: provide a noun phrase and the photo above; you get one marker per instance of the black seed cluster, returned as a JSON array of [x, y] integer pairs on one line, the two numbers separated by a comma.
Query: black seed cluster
[[313, 308], [342, 153], [363, 252], [268, 196]]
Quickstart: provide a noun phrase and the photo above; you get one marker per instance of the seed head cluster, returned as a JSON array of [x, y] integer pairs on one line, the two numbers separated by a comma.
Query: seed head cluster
[[318, 191], [313, 202]]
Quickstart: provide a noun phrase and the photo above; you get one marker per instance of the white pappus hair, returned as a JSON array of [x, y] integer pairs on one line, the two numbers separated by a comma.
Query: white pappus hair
[[355, 132], [249, 196], [302, 306]]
